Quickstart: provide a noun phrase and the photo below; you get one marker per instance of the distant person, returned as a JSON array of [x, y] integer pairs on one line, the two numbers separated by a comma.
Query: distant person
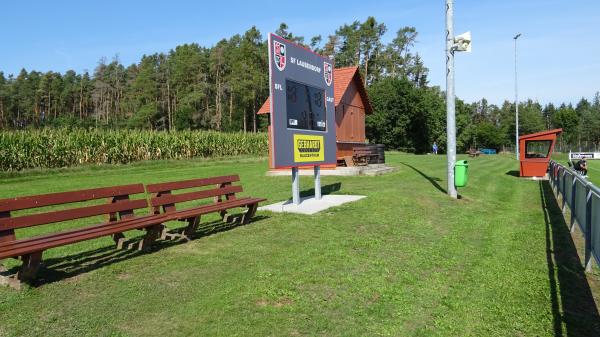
[[581, 167], [435, 148]]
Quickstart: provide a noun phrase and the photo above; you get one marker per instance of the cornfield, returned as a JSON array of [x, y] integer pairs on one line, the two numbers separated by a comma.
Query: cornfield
[[52, 148]]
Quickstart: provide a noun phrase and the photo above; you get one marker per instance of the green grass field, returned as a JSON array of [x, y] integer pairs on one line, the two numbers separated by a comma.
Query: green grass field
[[593, 167], [405, 261], [594, 171]]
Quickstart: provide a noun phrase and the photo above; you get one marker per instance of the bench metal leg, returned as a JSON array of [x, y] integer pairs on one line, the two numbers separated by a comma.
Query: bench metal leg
[[30, 267], [249, 214], [119, 239], [187, 233], [225, 216], [191, 228], [164, 233], [152, 234]]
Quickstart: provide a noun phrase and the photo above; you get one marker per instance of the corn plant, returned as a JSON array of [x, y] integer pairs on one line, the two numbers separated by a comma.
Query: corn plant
[[51, 148]]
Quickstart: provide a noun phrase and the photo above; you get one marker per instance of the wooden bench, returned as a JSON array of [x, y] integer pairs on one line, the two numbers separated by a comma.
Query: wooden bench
[[364, 155], [473, 153], [119, 211], [220, 189]]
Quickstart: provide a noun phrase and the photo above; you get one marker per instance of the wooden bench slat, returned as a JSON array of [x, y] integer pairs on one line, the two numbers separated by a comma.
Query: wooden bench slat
[[20, 203], [205, 209], [70, 214], [178, 185], [26, 246], [40, 239], [175, 198]]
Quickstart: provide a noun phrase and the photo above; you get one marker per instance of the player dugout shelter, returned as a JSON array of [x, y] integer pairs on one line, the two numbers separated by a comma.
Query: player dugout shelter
[[351, 107], [536, 150]]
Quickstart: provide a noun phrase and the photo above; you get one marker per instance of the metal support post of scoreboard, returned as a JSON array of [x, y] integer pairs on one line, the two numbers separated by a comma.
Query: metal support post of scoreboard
[[317, 182], [295, 186]]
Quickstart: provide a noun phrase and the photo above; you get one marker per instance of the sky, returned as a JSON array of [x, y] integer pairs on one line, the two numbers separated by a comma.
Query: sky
[[558, 52]]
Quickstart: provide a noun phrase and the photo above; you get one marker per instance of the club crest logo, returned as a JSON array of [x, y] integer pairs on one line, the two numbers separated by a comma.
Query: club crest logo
[[327, 73], [279, 51]]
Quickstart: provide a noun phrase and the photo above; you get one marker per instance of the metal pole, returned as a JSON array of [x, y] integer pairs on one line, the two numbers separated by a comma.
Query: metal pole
[[516, 101], [317, 182], [588, 229], [450, 115], [295, 186]]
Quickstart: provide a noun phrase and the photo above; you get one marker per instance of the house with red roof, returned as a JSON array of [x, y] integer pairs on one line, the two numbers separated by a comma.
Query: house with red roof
[[351, 107]]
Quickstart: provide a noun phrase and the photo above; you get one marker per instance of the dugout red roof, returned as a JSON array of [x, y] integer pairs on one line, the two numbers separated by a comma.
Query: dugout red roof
[[540, 134]]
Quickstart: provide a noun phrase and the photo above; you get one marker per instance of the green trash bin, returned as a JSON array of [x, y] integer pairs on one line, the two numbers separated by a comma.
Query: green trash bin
[[461, 173]]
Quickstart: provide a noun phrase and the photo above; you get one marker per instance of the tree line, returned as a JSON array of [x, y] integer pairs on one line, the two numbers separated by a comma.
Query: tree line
[[191, 86], [494, 126], [221, 87], [413, 118]]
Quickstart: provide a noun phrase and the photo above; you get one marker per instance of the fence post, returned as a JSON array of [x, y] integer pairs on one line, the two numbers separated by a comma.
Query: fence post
[[573, 191], [588, 229], [564, 181], [558, 176], [553, 177]]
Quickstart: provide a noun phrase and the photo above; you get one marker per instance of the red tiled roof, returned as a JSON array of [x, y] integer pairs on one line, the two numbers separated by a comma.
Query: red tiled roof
[[341, 80], [342, 77], [265, 108], [542, 133]]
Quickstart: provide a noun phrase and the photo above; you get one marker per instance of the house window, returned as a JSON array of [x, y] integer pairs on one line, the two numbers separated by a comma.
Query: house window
[[537, 148]]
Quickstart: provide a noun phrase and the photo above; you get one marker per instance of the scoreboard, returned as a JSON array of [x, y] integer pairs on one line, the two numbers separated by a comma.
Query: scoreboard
[[305, 107], [302, 106]]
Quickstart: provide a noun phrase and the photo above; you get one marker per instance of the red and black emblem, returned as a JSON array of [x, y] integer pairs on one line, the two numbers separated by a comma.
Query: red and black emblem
[[327, 73], [280, 55]]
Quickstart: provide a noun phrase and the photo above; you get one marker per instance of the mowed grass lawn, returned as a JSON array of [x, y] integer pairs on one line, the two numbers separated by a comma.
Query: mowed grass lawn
[[405, 261], [594, 171], [593, 167]]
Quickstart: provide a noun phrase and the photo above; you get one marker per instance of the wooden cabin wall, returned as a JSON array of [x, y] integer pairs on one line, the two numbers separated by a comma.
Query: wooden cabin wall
[[350, 116], [350, 122]]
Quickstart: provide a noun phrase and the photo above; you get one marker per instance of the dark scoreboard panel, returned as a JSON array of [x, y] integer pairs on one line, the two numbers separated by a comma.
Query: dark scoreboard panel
[[305, 107], [302, 106]]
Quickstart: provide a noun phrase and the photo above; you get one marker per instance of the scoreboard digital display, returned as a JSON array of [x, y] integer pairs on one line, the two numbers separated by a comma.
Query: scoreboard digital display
[[305, 107], [302, 106]]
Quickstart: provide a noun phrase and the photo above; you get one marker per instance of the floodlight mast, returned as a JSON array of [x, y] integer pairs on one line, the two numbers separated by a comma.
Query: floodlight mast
[[516, 102], [459, 43], [450, 114]]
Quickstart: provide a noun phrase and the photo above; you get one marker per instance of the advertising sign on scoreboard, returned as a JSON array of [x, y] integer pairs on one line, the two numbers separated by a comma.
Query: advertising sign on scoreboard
[[302, 105]]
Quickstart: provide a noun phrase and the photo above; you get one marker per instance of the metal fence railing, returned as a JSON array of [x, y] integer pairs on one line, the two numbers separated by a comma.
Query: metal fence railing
[[582, 198]]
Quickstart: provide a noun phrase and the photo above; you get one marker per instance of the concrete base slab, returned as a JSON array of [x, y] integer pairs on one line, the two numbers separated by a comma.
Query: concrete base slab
[[544, 178], [377, 171], [368, 170], [310, 205]]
